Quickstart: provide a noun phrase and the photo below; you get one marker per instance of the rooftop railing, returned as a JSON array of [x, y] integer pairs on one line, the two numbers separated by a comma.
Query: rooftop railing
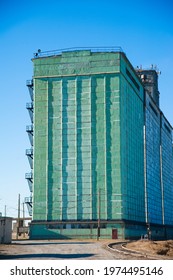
[[39, 53]]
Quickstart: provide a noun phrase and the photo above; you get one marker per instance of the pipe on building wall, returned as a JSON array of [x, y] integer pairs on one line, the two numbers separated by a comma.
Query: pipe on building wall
[[145, 164], [161, 173]]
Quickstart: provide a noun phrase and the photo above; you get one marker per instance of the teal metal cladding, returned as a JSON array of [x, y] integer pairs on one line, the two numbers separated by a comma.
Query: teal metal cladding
[[76, 149], [153, 169], [95, 157], [80, 122]]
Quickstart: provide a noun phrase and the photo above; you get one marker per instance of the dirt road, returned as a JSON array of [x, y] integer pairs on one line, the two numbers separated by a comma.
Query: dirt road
[[64, 249]]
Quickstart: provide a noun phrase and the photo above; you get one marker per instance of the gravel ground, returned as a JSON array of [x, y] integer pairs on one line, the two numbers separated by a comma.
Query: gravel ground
[[64, 249], [83, 249]]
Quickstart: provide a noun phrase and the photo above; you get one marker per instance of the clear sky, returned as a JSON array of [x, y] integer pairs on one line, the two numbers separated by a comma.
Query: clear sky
[[144, 30]]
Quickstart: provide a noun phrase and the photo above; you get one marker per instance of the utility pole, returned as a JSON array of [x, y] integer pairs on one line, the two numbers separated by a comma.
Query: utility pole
[[23, 219], [18, 220], [5, 211]]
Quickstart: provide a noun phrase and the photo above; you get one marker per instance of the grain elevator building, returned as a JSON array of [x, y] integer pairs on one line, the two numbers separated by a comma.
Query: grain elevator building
[[101, 149]]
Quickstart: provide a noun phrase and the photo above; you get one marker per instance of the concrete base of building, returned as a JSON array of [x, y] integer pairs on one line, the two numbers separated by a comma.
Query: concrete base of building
[[75, 229], [117, 229]]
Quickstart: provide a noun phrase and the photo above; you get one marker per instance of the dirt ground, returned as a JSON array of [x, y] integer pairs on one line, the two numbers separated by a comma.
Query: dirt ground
[[161, 248], [90, 249]]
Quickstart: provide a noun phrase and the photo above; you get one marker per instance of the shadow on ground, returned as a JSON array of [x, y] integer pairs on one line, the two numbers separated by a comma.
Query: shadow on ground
[[47, 256], [46, 243]]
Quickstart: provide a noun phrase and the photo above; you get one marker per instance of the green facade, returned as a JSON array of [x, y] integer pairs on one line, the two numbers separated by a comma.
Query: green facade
[[132, 145], [88, 146]]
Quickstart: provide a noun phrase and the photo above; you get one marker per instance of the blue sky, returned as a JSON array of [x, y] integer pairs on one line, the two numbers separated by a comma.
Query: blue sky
[[144, 30]]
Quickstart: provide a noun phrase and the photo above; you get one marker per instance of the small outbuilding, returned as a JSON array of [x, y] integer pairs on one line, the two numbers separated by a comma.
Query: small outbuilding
[[5, 230]]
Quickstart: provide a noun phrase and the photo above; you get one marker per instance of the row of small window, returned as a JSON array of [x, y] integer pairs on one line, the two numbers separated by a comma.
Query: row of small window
[[72, 94], [75, 180], [76, 226], [69, 102], [85, 96]]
